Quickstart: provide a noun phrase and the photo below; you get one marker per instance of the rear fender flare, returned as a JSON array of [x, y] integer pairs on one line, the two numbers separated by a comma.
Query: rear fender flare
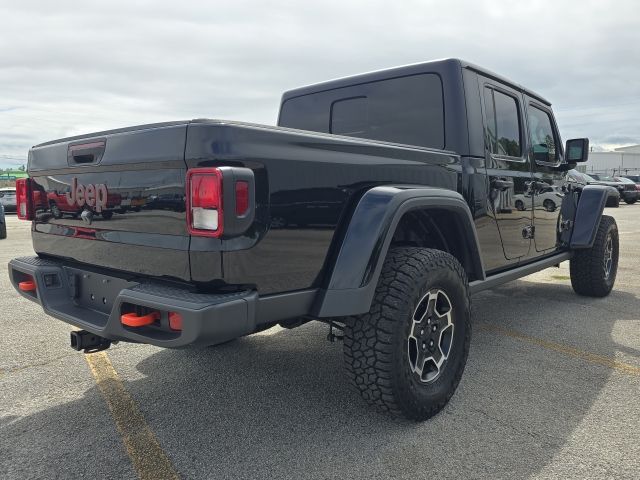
[[354, 274]]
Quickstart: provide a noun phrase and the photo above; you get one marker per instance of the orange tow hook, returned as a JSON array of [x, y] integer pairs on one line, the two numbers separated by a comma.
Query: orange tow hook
[[133, 320], [27, 285]]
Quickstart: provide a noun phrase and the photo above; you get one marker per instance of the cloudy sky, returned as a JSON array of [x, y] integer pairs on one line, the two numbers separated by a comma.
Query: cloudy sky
[[71, 67]]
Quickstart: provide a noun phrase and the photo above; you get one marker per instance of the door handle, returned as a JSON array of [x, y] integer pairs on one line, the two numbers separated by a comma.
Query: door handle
[[501, 184]]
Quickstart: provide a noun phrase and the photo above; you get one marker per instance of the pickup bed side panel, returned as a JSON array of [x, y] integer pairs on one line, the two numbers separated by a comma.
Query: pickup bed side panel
[[307, 186]]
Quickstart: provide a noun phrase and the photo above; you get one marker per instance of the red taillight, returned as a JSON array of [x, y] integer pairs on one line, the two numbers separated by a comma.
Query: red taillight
[[242, 198], [204, 202], [24, 202]]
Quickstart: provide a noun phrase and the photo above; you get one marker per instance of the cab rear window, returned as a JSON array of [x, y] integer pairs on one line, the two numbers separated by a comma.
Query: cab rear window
[[407, 110]]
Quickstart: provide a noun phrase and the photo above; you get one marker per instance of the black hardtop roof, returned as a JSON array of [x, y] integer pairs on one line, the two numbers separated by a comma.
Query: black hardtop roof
[[444, 65]]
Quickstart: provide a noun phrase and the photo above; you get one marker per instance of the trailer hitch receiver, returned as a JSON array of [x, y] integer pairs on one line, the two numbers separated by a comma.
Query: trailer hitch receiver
[[89, 342]]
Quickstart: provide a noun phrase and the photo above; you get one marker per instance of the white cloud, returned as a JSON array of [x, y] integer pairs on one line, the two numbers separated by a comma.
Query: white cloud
[[74, 67]]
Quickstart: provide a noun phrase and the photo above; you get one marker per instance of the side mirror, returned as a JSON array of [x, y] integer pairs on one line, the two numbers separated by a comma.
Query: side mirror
[[577, 150]]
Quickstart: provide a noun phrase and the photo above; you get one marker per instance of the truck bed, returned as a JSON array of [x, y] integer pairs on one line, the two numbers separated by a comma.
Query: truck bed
[[306, 185]]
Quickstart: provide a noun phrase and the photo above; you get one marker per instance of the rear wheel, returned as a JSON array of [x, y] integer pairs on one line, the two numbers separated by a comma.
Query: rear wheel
[[630, 201], [107, 214], [407, 355], [549, 205], [593, 270], [3, 230]]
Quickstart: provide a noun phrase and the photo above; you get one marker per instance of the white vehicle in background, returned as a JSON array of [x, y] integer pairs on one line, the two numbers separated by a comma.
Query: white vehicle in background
[[544, 196]]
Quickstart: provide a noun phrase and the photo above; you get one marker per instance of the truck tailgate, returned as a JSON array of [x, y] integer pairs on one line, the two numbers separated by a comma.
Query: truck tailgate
[[114, 199]]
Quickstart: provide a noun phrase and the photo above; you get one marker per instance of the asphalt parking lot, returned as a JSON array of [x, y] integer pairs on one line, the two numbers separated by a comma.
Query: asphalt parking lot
[[551, 390]]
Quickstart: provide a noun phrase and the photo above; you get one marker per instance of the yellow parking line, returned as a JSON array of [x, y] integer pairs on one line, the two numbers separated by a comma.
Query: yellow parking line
[[566, 350], [143, 448]]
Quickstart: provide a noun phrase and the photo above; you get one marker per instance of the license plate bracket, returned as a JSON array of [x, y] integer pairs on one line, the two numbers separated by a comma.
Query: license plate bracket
[[93, 290]]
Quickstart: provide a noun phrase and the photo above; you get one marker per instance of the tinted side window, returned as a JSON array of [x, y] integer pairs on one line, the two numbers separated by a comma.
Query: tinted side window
[[350, 116], [503, 124], [408, 110], [541, 135]]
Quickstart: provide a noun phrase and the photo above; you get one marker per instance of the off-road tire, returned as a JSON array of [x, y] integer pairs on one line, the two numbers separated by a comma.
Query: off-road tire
[[588, 266], [376, 347]]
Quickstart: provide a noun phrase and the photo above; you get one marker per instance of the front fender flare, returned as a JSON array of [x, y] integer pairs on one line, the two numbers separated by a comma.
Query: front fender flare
[[591, 203], [354, 274]]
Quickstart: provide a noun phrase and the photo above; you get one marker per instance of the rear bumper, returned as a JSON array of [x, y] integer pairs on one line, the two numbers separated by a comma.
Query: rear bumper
[[68, 294]]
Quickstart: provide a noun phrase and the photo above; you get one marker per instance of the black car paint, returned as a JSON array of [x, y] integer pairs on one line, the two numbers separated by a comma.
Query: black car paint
[[285, 162], [138, 161], [322, 263]]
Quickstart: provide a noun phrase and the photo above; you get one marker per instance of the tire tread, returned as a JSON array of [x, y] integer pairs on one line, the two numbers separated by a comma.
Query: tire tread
[[585, 266], [368, 347]]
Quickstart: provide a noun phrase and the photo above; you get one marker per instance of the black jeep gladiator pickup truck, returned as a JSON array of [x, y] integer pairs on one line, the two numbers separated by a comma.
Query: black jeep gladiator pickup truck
[[378, 204]]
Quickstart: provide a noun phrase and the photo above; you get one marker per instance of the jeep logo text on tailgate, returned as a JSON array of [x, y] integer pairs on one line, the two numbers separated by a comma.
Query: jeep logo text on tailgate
[[91, 195]]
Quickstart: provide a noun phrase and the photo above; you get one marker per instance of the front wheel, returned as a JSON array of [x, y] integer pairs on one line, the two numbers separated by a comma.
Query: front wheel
[[630, 201], [407, 355], [593, 271]]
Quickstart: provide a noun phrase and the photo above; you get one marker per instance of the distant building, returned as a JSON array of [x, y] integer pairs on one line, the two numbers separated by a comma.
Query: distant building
[[629, 149], [624, 160]]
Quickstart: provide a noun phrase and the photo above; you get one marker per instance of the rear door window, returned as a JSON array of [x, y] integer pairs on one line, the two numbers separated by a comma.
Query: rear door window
[[503, 125]]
